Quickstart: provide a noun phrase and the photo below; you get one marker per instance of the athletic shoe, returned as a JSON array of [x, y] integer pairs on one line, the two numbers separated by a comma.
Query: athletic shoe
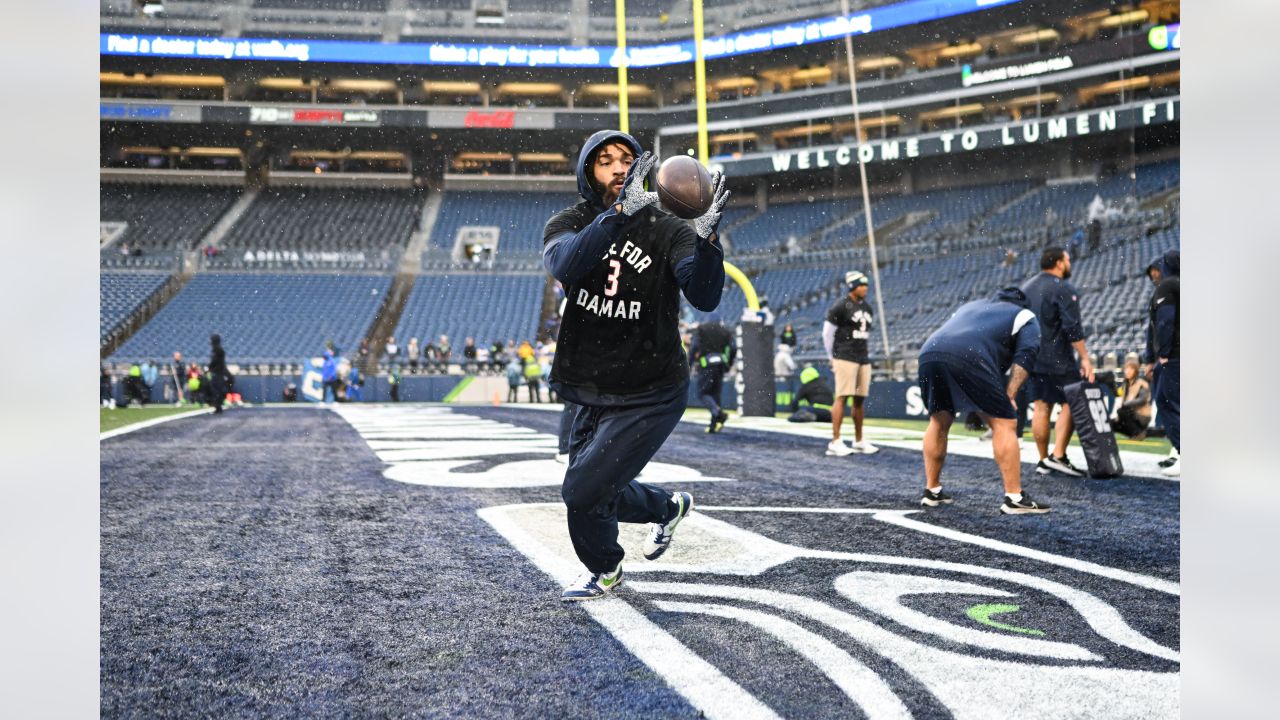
[[1173, 470], [720, 420], [1025, 506], [593, 585], [562, 458], [1168, 462], [660, 533], [1042, 469], [864, 447], [934, 499], [988, 434], [837, 447], [1062, 465]]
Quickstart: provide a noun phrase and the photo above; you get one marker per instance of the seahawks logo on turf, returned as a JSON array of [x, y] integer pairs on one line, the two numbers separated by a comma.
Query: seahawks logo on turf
[[976, 641]]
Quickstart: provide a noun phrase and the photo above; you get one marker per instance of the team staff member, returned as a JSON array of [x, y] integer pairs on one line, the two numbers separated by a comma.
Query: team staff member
[[218, 373], [712, 353], [1056, 304], [844, 334], [962, 369], [1164, 350], [815, 395], [623, 263]]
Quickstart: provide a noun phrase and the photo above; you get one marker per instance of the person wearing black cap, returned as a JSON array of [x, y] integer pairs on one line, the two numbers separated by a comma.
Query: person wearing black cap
[[844, 334], [624, 264], [962, 369]]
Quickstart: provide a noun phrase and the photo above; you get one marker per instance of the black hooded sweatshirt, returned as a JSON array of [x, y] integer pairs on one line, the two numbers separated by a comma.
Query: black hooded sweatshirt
[[619, 340]]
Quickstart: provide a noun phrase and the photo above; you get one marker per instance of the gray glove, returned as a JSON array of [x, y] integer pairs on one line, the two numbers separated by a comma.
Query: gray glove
[[706, 224], [633, 196]]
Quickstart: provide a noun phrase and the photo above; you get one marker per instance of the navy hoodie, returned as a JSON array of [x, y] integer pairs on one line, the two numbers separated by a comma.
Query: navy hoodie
[[986, 337], [1162, 313], [619, 340]]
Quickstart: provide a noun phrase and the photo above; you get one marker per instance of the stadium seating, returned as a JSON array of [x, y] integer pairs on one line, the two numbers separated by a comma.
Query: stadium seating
[[163, 219], [780, 222], [519, 216], [334, 220], [120, 294], [263, 318], [487, 307]]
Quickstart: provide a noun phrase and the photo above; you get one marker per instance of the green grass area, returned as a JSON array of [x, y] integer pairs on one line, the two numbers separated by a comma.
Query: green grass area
[[120, 417]]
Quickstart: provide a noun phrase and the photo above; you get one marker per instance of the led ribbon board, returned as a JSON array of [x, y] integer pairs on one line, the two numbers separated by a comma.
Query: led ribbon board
[[338, 51]]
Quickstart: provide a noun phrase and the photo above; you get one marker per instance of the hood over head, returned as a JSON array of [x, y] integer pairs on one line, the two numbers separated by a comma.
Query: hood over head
[[1169, 264], [1013, 294], [784, 348], [808, 375], [589, 149]]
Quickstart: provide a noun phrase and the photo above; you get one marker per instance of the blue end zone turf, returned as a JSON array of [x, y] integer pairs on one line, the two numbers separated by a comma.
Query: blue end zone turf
[[264, 563]]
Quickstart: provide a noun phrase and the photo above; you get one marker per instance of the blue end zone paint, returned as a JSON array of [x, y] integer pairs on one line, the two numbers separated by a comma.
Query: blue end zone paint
[[258, 563]]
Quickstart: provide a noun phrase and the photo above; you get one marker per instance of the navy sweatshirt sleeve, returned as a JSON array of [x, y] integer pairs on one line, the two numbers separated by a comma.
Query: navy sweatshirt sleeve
[[700, 274], [1166, 323], [568, 254]]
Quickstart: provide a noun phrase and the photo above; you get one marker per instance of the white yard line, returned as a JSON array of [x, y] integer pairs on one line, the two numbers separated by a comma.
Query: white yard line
[[148, 423]]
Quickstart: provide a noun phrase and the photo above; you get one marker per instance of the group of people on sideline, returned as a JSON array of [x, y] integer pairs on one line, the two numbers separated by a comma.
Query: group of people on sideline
[[179, 382]]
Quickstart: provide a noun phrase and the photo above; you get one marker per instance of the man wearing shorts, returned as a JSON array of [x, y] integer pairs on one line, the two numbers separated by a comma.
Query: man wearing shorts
[[1056, 304], [845, 333], [962, 369]]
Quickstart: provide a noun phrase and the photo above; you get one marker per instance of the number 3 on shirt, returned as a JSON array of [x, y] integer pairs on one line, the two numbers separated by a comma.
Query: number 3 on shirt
[[613, 279]]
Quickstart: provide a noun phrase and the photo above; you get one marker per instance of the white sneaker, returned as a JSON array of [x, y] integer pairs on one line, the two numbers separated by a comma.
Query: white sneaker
[[837, 447], [1174, 470], [562, 458], [660, 533], [988, 434], [864, 447]]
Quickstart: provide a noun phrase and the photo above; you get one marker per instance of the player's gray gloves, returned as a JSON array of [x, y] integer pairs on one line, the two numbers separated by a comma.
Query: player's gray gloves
[[633, 197], [706, 223]]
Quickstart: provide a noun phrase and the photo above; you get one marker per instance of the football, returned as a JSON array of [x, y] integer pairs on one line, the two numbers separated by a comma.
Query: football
[[684, 186]]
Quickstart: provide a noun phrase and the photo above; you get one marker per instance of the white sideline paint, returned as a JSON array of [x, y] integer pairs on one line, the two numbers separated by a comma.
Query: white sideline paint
[[699, 682], [863, 686], [899, 518], [149, 423], [1137, 464]]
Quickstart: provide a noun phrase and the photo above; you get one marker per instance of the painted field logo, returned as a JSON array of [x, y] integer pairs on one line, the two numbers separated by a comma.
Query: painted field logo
[[976, 641], [437, 447]]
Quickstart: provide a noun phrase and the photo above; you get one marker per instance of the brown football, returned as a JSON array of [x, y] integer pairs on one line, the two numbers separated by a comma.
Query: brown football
[[684, 186]]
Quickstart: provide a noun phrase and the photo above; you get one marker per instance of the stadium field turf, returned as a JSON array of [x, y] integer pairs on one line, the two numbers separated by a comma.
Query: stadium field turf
[[383, 560]]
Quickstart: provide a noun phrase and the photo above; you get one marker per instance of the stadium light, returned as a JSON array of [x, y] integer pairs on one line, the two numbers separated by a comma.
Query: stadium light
[[490, 16]]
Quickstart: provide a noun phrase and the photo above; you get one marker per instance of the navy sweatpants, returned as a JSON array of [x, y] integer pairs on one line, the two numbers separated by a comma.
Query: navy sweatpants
[[1168, 400], [710, 383], [609, 446], [567, 415]]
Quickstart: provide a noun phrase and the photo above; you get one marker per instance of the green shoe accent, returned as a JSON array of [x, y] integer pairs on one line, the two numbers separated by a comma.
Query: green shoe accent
[[983, 613]]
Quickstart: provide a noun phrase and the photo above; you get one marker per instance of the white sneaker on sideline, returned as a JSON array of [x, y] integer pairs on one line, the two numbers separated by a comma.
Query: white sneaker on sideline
[[864, 447], [562, 458], [838, 448], [1174, 470]]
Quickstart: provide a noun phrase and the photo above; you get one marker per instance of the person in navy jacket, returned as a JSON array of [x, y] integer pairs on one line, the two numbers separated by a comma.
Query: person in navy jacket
[[962, 369], [1163, 351]]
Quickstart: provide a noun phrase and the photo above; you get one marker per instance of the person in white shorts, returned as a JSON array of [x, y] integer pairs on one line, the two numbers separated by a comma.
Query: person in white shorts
[[845, 333]]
